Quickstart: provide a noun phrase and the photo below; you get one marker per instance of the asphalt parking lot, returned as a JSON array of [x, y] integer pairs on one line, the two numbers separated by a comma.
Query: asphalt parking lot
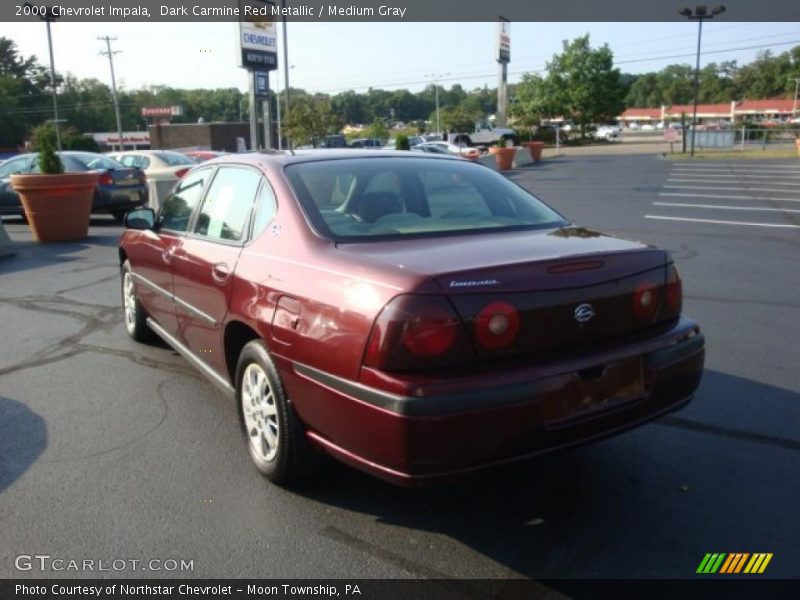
[[110, 449]]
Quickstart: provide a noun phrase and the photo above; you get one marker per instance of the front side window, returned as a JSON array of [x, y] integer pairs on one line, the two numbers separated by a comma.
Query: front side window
[[362, 199], [177, 208], [226, 209]]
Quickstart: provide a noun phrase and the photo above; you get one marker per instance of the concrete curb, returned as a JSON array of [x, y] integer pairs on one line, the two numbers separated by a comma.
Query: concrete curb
[[489, 160], [522, 158], [6, 245]]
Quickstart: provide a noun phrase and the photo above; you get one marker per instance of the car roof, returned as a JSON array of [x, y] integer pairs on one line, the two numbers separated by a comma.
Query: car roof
[[288, 157]]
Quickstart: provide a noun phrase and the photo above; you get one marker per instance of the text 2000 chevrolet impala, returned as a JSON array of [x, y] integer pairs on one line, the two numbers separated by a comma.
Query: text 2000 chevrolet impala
[[414, 316]]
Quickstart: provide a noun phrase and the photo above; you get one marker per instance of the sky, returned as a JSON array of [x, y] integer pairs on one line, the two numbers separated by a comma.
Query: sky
[[334, 57]]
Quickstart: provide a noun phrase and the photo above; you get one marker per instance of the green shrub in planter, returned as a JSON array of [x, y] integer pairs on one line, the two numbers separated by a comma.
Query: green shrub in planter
[[402, 143], [49, 162]]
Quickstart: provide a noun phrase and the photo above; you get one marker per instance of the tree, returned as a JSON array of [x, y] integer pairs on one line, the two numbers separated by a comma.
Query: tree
[[23, 101], [457, 118], [310, 120], [533, 101], [350, 107], [583, 84], [377, 130]]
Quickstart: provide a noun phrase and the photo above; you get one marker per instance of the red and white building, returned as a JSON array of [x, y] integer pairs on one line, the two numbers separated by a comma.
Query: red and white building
[[760, 110]]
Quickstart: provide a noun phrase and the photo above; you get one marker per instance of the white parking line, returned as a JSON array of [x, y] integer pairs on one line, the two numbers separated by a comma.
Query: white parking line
[[732, 182], [735, 172], [704, 177], [663, 218], [729, 189], [737, 166], [727, 197], [721, 207]]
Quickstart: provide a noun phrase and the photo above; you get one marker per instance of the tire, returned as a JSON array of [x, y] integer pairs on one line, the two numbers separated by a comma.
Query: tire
[[135, 317], [274, 435]]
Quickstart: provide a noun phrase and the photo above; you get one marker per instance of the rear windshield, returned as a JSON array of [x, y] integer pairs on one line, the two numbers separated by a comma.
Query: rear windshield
[[360, 199], [175, 159]]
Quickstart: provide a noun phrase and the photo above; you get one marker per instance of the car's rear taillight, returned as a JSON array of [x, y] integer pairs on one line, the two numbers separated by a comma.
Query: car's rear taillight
[[105, 179], [497, 325], [181, 172], [645, 300], [417, 332], [430, 332], [674, 292]]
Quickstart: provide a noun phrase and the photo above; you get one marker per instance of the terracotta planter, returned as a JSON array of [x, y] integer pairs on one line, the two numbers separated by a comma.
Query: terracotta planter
[[535, 149], [58, 207], [504, 157]]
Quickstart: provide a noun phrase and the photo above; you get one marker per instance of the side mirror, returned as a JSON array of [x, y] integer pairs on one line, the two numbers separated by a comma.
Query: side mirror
[[142, 218]]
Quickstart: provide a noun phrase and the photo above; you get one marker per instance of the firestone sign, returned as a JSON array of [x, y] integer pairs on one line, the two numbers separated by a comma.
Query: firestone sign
[[162, 111], [258, 39]]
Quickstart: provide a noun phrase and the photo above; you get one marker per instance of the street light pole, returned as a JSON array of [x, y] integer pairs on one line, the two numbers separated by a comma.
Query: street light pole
[[796, 87], [438, 123], [278, 107], [436, 77], [700, 14], [285, 67]]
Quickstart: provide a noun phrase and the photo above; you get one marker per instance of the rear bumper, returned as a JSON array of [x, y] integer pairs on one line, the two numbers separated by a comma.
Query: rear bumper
[[456, 425], [107, 199]]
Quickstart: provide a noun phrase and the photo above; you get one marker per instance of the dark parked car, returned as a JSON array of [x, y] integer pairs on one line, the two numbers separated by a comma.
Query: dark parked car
[[366, 143], [119, 189], [333, 141], [414, 316]]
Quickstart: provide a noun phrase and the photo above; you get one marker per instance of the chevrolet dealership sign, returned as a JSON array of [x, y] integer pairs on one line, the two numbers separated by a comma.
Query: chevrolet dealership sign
[[258, 37]]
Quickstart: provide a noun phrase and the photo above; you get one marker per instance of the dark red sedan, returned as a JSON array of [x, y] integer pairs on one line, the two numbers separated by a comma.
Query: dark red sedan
[[416, 317]]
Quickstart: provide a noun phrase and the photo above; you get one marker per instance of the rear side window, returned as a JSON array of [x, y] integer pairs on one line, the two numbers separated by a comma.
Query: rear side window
[[265, 210], [178, 207], [14, 166], [226, 209]]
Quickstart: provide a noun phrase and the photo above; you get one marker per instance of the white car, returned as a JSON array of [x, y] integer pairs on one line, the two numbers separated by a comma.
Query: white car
[[648, 127], [448, 148], [608, 132], [163, 168]]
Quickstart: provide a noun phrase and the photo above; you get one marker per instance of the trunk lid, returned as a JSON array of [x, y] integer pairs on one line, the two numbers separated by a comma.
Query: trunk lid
[[568, 286]]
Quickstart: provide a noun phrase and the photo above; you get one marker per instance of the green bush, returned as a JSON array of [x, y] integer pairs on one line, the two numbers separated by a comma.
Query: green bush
[[49, 162], [402, 143]]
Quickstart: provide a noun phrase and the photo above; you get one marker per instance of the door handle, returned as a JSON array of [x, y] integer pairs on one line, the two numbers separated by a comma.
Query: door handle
[[168, 254], [220, 272]]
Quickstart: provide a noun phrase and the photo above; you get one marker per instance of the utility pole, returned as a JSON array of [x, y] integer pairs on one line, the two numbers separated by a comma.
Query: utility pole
[[796, 87], [110, 56]]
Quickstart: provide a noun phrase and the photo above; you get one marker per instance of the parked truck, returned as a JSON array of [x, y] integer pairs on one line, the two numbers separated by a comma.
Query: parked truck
[[484, 134]]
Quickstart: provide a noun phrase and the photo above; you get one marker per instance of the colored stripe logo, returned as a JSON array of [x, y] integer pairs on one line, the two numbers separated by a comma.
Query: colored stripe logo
[[734, 563]]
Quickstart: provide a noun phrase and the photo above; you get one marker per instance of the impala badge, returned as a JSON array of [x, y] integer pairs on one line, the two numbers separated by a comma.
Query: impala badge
[[583, 313]]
